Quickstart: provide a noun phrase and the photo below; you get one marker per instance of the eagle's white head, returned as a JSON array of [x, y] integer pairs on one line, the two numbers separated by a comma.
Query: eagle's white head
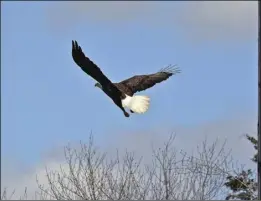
[[98, 85]]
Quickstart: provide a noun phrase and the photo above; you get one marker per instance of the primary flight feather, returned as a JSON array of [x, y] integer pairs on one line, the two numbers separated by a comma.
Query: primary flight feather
[[122, 93]]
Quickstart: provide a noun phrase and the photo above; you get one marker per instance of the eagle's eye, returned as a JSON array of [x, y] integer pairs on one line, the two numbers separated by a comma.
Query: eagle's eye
[[98, 85]]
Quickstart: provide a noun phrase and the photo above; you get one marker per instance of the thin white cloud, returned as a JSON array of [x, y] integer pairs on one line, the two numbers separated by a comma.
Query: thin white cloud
[[67, 14], [200, 20], [220, 19]]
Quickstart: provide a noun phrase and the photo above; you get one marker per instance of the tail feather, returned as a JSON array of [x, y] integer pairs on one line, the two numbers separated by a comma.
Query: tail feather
[[139, 104]]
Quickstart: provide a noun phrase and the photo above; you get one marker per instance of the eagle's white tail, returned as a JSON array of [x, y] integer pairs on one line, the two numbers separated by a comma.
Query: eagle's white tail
[[138, 103]]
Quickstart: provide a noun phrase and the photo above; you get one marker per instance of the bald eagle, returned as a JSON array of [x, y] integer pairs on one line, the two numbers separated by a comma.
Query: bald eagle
[[122, 93]]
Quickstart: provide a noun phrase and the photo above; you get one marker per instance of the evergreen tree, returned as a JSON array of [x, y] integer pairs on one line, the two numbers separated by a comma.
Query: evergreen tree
[[243, 185]]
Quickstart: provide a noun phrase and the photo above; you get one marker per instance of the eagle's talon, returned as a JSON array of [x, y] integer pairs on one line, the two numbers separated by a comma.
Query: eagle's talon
[[126, 114]]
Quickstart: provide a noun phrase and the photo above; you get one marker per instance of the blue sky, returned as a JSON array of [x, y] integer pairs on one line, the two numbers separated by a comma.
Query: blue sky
[[48, 101]]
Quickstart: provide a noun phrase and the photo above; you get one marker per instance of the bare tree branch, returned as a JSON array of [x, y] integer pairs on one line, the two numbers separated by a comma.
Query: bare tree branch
[[172, 175]]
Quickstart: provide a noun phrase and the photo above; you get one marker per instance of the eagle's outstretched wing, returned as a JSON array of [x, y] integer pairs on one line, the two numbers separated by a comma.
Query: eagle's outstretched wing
[[87, 65], [143, 82]]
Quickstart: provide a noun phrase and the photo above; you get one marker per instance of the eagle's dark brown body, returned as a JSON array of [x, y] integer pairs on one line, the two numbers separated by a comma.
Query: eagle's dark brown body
[[118, 92]]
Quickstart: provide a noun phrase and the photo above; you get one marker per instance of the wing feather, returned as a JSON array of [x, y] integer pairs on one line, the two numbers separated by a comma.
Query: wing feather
[[87, 65], [143, 82]]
